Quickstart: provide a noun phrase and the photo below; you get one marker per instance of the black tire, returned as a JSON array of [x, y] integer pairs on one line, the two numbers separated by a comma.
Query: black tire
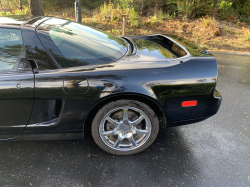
[[125, 103]]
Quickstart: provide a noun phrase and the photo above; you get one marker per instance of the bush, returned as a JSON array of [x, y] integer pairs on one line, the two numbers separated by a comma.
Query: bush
[[160, 15], [226, 10], [2, 13], [126, 3], [134, 18], [104, 8], [25, 11], [205, 21], [243, 9], [153, 20], [8, 13], [245, 20]]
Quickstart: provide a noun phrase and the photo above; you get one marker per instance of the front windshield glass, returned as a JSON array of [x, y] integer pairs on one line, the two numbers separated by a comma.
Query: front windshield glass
[[73, 44]]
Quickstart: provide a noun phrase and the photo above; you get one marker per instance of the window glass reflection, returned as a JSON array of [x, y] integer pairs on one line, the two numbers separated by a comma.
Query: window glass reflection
[[152, 50], [11, 47], [73, 44]]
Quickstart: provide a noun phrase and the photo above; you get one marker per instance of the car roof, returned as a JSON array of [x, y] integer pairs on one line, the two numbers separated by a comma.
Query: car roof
[[16, 21], [13, 20]]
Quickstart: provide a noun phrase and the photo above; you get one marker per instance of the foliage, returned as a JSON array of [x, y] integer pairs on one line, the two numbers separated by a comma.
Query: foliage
[[134, 18], [112, 15], [91, 4], [126, 3], [244, 19], [160, 15], [206, 21], [52, 5], [2, 13], [231, 10], [24, 11], [226, 10], [185, 7], [104, 8], [247, 36], [244, 9], [153, 20], [8, 13], [225, 5]]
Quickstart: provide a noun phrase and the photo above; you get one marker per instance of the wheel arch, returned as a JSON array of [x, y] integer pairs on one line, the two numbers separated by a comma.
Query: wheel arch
[[152, 103]]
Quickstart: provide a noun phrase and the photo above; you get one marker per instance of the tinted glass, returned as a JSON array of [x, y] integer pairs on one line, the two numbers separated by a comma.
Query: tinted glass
[[11, 47], [73, 44], [191, 46], [151, 50], [178, 50]]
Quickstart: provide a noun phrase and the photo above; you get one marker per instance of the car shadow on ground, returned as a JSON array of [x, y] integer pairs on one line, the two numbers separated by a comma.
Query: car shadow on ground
[[83, 163]]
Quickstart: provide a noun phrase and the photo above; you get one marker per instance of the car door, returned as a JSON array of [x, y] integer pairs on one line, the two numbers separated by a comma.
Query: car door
[[16, 84]]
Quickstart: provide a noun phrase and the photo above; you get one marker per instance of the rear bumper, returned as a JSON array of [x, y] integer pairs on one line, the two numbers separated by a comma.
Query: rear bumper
[[212, 107], [213, 104]]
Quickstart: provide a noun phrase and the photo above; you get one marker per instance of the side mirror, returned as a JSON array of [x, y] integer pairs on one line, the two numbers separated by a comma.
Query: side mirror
[[22, 63]]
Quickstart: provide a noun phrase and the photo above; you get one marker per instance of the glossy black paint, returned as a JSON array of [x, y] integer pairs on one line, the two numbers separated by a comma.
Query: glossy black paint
[[15, 104], [65, 98]]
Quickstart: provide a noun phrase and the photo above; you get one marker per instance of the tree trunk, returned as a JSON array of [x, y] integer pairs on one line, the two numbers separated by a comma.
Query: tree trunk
[[19, 4], [8, 5], [215, 8], [36, 8], [142, 7], [156, 6]]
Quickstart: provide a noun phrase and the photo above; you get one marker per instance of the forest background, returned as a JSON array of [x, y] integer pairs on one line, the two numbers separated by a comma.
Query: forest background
[[213, 24]]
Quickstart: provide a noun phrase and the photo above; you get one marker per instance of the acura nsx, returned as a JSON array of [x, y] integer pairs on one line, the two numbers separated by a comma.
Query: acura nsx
[[59, 76]]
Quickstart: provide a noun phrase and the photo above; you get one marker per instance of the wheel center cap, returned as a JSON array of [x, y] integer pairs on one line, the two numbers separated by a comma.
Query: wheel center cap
[[125, 122], [125, 128]]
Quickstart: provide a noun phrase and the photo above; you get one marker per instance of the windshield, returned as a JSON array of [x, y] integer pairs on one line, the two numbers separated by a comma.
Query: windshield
[[73, 44]]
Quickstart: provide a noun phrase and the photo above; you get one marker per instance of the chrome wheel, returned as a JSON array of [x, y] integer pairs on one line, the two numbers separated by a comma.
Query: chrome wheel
[[125, 128]]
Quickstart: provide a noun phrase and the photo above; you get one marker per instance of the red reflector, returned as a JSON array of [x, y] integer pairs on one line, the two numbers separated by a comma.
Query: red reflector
[[189, 103]]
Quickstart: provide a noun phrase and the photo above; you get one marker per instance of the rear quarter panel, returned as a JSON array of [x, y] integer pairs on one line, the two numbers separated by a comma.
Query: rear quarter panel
[[170, 83]]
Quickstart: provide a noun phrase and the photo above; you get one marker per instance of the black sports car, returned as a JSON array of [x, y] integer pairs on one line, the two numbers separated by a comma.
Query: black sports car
[[58, 76]]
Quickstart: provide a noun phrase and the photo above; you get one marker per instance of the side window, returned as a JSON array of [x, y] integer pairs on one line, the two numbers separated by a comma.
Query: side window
[[72, 44], [11, 47], [178, 50]]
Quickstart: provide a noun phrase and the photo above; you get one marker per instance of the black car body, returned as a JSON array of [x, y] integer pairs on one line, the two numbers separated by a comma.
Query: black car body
[[40, 96]]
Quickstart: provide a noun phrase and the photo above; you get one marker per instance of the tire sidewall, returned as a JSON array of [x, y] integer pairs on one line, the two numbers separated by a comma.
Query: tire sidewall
[[121, 103]]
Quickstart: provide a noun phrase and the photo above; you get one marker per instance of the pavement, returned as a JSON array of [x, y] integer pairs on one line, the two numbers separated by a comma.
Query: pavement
[[215, 152]]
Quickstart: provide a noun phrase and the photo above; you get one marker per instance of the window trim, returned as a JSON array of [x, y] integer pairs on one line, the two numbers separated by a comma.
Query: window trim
[[51, 57]]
